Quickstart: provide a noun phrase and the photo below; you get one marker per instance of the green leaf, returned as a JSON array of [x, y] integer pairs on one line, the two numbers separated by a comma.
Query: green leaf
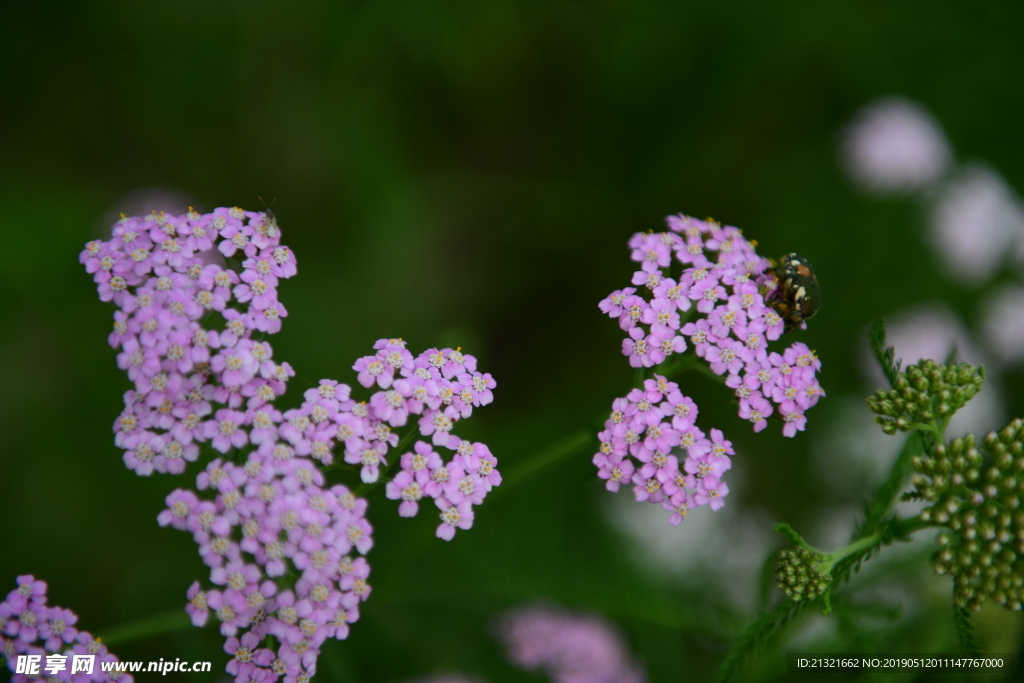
[[890, 529], [884, 353], [965, 630], [767, 582], [790, 533], [954, 353], [756, 636]]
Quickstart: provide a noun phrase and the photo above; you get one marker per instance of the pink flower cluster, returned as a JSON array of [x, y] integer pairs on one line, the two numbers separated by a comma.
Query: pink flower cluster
[[155, 270], [441, 387], [29, 627], [278, 544], [567, 647], [276, 537], [637, 443], [197, 385], [723, 278], [274, 518]]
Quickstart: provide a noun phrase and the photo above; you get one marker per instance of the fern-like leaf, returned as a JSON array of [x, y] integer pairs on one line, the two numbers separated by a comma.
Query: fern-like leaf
[[790, 533], [885, 354], [756, 636], [965, 631], [889, 530]]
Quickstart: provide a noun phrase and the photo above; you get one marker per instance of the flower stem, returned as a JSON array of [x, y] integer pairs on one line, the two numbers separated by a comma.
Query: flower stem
[[931, 428], [398, 451], [543, 459], [859, 546], [147, 627], [878, 530], [886, 494], [678, 364], [866, 544]]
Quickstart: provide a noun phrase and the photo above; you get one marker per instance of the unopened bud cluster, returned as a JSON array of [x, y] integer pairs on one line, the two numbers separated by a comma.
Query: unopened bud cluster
[[924, 394], [800, 574], [978, 499]]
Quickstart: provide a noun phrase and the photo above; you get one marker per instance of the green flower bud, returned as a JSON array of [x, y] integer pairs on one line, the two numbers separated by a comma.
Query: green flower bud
[[974, 456], [799, 575]]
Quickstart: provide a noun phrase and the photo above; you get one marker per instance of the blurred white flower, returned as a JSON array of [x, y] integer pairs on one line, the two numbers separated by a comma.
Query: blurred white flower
[[894, 145], [974, 221], [852, 457], [933, 331], [698, 552], [1002, 323]]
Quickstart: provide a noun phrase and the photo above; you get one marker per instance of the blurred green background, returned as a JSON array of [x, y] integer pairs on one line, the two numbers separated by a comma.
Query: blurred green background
[[468, 173]]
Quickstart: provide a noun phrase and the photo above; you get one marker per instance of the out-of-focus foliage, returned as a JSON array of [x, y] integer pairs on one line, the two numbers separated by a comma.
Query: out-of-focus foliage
[[467, 174]]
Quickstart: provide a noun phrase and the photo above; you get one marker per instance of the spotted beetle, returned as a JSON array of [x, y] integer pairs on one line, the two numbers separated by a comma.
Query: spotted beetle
[[795, 294]]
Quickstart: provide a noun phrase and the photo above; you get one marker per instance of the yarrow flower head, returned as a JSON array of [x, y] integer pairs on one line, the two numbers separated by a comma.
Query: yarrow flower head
[[282, 544], [569, 648], [441, 387], [637, 445], [45, 639], [703, 288], [746, 302], [184, 330]]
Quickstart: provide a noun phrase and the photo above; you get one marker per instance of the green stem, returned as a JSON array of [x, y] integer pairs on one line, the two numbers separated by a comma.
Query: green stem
[[876, 531], [677, 364], [543, 460], [754, 638], [407, 439], [707, 372], [846, 557], [339, 465], [397, 452], [148, 627], [886, 494], [857, 547], [931, 428]]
